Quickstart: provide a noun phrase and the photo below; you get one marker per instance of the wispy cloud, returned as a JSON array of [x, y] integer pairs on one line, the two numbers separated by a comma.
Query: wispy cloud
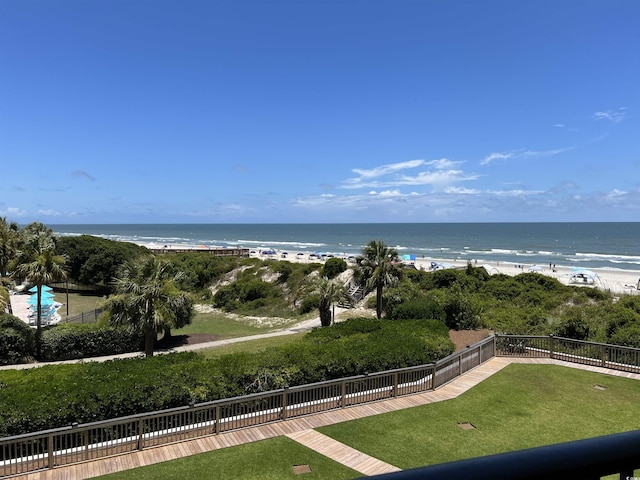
[[83, 174], [615, 116], [514, 154], [387, 169], [558, 125], [436, 172], [497, 156]]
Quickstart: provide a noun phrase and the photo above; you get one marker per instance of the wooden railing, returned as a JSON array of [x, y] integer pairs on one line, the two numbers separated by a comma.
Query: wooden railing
[[77, 443]]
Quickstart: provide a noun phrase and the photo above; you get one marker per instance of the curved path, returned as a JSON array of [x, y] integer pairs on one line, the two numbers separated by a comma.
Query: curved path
[[303, 326], [301, 429]]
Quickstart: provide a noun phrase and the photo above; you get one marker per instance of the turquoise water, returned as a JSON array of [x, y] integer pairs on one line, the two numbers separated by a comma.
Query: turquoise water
[[589, 245]]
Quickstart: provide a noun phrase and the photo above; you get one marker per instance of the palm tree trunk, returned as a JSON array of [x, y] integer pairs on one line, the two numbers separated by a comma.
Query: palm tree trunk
[[325, 315], [149, 341], [167, 333], [379, 301], [39, 322]]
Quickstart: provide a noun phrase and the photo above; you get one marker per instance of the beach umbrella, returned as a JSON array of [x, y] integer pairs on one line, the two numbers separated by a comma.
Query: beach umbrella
[[33, 301], [43, 295], [536, 268], [45, 288]]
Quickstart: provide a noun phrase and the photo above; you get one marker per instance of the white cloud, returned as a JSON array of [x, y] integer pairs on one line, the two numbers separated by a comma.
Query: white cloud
[[497, 156], [462, 191], [387, 169], [13, 212], [615, 116], [558, 125], [51, 213], [523, 153], [441, 173]]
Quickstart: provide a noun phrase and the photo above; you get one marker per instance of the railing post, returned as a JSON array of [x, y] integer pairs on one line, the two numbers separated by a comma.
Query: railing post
[[85, 439], [460, 364], [551, 345], [433, 377], [140, 434], [395, 384], [50, 451], [284, 403], [603, 358], [343, 399], [217, 424]]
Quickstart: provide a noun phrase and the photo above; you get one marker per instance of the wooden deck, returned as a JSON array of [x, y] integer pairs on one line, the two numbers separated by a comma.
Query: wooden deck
[[301, 429]]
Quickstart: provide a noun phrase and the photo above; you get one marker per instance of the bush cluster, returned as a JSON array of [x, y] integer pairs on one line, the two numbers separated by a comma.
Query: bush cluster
[[52, 396], [69, 341], [63, 342], [16, 340]]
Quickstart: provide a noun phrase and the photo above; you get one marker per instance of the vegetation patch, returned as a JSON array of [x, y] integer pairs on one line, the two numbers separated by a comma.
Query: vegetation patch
[[58, 395]]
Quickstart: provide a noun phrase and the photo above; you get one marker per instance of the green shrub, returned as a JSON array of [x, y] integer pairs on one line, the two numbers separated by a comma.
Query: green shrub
[[69, 341], [53, 396], [426, 307], [16, 340], [333, 267], [628, 336], [309, 303], [462, 311]]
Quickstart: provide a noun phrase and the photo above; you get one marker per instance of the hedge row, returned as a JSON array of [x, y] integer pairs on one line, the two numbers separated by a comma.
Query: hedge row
[[68, 341], [63, 342], [52, 396]]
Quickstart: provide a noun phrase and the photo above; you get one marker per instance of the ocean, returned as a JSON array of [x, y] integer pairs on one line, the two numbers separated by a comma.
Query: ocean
[[588, 245]]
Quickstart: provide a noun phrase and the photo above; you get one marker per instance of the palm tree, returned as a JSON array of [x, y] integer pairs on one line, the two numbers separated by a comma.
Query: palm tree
[[148, 300], [376, 269], [40, 265], [329, 291], [8, 244]]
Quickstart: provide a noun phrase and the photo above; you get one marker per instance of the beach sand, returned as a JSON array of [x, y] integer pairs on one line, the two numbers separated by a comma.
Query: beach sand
[[616, 281]]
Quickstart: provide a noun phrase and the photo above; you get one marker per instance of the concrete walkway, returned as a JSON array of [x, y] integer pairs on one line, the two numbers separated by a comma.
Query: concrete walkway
[[297, 328]]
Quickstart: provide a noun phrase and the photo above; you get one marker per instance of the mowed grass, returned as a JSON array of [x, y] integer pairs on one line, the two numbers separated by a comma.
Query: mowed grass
[[271, 459], [78, 303], [522, 406]]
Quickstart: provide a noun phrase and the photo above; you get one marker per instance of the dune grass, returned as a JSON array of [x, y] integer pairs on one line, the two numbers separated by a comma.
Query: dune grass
[[522, 406], [271, 459], [226, 326]]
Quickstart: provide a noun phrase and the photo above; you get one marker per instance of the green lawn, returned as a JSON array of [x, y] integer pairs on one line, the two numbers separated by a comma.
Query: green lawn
[[520, 407], [78, 303], [272, 459]]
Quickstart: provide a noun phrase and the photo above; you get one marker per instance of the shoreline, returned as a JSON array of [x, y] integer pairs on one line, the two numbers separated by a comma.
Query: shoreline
[[618, 281]]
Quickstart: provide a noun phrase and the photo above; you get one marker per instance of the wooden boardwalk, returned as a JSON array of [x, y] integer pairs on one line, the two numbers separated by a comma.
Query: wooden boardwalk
[[301, 429]]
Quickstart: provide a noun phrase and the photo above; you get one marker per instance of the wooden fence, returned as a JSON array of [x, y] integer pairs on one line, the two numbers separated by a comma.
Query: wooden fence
[[77, 443]]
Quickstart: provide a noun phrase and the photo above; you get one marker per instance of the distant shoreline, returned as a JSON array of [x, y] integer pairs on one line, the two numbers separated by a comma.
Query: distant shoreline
[[618, 281]]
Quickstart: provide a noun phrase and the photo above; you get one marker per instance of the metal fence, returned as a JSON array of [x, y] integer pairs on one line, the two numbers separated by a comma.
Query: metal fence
[[77, 443], [84, 317]]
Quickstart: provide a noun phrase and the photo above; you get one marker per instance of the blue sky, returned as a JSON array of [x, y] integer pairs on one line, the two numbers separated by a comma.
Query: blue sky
[[273, 111]]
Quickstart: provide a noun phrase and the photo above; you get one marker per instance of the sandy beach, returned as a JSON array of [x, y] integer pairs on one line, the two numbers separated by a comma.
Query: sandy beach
[[616, 281]]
